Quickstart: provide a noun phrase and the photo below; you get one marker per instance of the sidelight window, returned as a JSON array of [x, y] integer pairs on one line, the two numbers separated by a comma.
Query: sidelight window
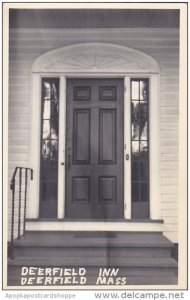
[[49, 146], [140, 139]]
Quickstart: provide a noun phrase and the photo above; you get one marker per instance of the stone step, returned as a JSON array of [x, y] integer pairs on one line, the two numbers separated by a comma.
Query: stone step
[[141, 257], [93, 261], [94, 239]]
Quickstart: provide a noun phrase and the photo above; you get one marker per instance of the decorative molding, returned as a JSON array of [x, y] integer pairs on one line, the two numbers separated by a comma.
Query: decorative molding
[[95, 57], [93, 60]]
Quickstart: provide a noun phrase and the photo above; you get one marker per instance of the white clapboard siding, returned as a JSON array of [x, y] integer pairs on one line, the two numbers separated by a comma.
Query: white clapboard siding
[[169, 189], [168, 103], [169, 125], [166, 213], [169, 198], [169, 142], [170, 133], [169, 157], [171, 206], [165, 86], [168, 182], [162, 44], [170, 220], [18, 140], [169, 173], [173, 79], [169, 111]]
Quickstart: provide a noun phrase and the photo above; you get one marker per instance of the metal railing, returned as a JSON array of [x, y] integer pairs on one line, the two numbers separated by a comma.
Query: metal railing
[[22, 199]]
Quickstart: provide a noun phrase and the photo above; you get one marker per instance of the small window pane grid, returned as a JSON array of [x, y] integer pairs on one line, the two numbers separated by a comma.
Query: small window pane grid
[[140, 140], [49, 139]]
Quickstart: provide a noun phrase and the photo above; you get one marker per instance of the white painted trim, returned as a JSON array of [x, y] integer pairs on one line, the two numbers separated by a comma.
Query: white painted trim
[[127, 148], [34, 146], [154, 133], [148, 71], [61, 155], [87, 32], [95, 57], [154, 145], [94, 226]]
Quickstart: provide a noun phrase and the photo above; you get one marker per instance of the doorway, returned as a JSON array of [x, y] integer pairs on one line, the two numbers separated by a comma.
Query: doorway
[[94, 149], [94, 142]]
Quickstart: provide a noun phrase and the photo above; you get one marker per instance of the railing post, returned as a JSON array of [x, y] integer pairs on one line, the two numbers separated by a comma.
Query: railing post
[[31, 174], [12, 186], [25, 196], [20, 210], [19, 207]]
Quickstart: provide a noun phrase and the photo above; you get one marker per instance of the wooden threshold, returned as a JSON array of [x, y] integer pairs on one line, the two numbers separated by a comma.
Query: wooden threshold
[[43, 225]]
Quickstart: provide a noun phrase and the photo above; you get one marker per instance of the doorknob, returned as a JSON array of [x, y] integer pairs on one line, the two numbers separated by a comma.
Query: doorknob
[[62, 163], [127, 156]]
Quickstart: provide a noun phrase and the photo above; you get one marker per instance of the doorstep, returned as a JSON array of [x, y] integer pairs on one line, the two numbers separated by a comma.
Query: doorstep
[[89, 225]]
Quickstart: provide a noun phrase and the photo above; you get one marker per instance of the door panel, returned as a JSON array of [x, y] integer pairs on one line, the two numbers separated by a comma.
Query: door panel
[[81, 136], [107, 141], [94, 149], [107, 189], [81, 189]]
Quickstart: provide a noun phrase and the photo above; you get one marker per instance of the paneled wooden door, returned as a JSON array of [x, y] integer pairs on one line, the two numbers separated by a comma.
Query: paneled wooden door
[[94, 149]]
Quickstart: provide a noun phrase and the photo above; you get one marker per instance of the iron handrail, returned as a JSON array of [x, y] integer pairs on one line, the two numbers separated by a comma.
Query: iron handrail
[[12, 187]]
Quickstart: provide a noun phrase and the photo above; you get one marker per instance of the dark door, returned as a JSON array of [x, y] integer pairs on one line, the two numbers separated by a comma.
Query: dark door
[[94, 148]]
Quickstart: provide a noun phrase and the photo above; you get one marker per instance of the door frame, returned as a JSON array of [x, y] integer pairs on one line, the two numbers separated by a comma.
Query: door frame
[[155, 211], [149, 70], [68, 200], [62, 150]]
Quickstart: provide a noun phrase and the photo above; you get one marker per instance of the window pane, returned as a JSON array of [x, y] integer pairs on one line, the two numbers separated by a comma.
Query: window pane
[[54, 109], [143, 147], [46, 90], [54, 91], [139, 140], [135, 191], [54, 130], [46, 149], [135, 120], [49, 146], [44, 191], [50, 88], [45, 173], [135, 90], [135, 170], [144, 90], [49, 191], [54, 149], [135, 148], [46, 129], [53, 170], [143, 170], [46, 109], [144, 192]]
